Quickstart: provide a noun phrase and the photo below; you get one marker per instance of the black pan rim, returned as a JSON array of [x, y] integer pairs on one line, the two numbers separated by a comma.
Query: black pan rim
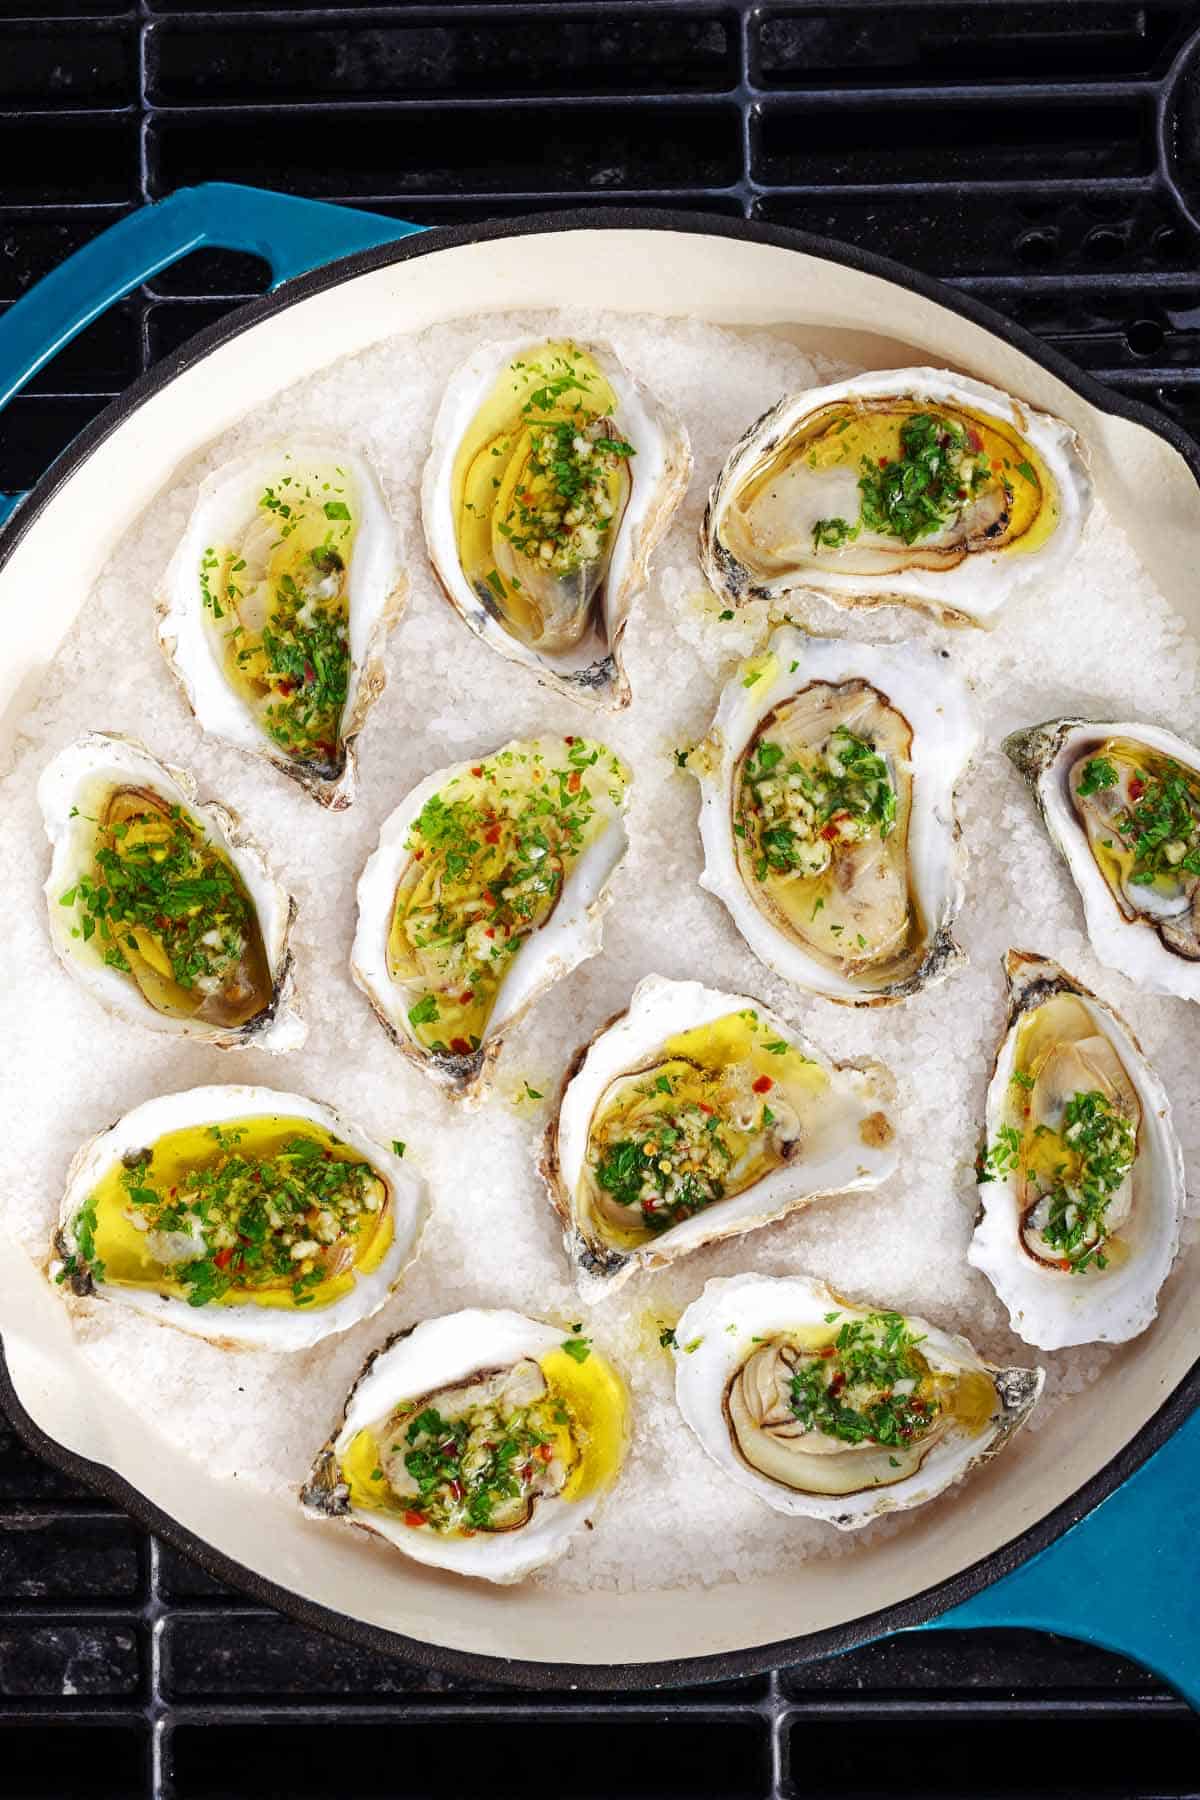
[[918, 1609]]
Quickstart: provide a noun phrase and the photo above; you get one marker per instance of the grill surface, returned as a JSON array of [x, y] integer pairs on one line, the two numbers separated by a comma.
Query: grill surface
[[1042, 156]]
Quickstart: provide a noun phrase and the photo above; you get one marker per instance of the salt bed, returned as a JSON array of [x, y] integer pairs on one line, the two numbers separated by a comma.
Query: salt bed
[[69, 1070]]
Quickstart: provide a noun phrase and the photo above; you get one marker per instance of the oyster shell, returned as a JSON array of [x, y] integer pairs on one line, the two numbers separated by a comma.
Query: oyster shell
[[124, 824], [839, 1411], [485, 1374], [489, 883], [1081, 1174], [276, 607], [912, 486], [1122, 804], [257, 1219], [697, 1115], [827, 812], [552, 476]]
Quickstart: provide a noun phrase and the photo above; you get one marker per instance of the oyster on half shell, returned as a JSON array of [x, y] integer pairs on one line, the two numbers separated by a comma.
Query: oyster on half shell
[[839, 1411], [276, 607], [1081, 1174], [911, 486], [257, 1219], [478, 1442], [489, 883], [827, 812], [698, 1115], [552, 476], [1122, 803], [164, 909]]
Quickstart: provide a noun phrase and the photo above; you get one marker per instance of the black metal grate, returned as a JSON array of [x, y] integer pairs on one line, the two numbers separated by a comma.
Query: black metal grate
[[1018, 150]]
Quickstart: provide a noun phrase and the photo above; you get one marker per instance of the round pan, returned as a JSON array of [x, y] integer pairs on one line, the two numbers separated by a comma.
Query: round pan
[[634, 261]]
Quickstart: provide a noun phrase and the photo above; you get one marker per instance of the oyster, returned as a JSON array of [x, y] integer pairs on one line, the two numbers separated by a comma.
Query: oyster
[[489, 883], [1081, 1174], [827, 815], [479, 1442], [553, 475], [697, 1115], [132, 850], [1122, 804], [258, 1219], [277, 604], [915, 486], [839, 1411]]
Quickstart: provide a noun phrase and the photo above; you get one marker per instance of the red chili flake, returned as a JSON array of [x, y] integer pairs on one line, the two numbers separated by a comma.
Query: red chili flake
[[478, 769], [1064, 1262], [884, 461], [492, 835], [489, 899], [1137, 788], [222, 1258], [174, 1191], [414, 1518], [460, 1046], [489, 931], [997, 464], [328, 1155], [837, 1384], [417, 855], [285, 687], [574, 781], [830, 831], [828, 1350], [960, 493], [974, 439], [917, 1406], [706, 1109], [466, 999], [310, 674], [546, 1452], [568, 740]]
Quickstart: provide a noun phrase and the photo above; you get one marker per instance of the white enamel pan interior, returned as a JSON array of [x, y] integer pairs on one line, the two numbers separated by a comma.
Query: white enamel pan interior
[[736, 276]]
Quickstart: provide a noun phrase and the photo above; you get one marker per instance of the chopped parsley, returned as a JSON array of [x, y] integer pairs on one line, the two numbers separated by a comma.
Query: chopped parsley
[[913, 495], [852, 1394]]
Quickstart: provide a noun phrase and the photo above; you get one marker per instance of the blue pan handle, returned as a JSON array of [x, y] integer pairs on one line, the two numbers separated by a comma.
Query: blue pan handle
[[1124, 1576], [292, 235]]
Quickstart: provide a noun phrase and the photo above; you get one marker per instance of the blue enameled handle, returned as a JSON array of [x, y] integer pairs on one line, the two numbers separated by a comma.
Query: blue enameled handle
[[1124, 1576], [292, 235]]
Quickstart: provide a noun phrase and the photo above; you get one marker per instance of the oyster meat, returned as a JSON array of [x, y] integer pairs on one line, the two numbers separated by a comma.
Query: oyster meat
[[827, 812], [478, 1442], [163, 909], [697, 1115], [914, 486], [552, 476], [276, 607], [258, 1219], [1122, 804], [839, 1411], [489, 883], [1081, 1174]]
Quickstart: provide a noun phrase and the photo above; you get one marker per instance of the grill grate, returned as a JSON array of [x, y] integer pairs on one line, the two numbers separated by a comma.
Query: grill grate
[[1041, 156]]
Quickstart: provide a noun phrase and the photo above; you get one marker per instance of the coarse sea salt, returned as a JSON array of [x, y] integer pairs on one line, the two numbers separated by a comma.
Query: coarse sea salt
[[69, 1070]]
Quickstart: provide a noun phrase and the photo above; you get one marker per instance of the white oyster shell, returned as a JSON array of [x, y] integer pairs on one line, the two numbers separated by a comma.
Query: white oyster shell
[[568, 936], [70, 790], [846, 1144], [226, 510], [1137, 946], [245, 1325], [921, 685], [717, 1334], [590, 670], [1055, 1308], [928, 574], [433, 1355]]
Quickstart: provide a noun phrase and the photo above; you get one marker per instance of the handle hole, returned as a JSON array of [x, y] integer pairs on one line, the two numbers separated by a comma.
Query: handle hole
[[212, 275]]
